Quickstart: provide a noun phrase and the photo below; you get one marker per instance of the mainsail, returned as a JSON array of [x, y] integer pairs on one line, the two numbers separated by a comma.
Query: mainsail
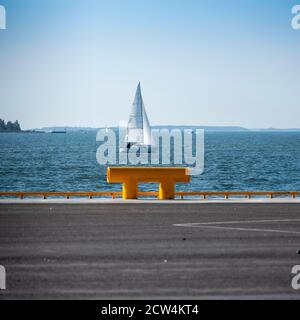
[[138, 128]]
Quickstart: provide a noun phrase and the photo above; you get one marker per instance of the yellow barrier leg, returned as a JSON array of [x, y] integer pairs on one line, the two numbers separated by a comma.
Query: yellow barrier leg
[[167, 190], [130, 189]]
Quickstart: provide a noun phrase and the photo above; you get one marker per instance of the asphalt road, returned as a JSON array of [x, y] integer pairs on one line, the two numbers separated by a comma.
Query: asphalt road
[[149, 251]]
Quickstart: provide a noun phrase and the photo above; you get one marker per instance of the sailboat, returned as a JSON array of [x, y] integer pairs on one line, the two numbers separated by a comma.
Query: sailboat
[[138, 128]]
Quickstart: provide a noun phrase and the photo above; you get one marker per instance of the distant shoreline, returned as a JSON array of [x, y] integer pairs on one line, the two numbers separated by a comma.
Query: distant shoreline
[[206, 128], [170, 127]]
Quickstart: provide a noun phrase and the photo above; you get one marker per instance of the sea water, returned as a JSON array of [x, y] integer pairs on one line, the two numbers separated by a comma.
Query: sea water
[[234, 161]]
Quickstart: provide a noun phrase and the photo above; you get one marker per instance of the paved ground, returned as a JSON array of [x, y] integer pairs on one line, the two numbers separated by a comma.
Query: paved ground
[[179, 250]]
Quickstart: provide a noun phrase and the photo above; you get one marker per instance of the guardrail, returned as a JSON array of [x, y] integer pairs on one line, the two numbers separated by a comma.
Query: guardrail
[[66, 195], [180, 195], [246, 194]]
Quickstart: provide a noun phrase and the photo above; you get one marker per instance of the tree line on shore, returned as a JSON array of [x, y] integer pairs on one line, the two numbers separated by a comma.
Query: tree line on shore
[[10, 126]]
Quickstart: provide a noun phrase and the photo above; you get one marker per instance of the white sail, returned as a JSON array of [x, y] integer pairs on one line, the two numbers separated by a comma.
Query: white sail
[[147, 129], [138, 128]]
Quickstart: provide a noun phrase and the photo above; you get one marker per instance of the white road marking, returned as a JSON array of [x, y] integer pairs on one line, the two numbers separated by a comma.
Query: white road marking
[[214, 225], [239, 221]]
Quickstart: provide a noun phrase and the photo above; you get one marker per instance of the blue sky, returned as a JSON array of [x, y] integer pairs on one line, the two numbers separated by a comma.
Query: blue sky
[[222, 62]]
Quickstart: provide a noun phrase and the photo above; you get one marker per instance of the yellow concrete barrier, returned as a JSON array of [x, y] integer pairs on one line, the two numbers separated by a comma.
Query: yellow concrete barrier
[[130, 177]]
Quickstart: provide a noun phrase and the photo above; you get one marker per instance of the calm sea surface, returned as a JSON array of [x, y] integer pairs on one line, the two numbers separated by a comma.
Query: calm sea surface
[[261, 161]]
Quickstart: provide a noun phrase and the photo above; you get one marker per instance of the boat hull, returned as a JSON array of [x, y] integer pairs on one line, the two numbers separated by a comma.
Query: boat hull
[[141, 148]]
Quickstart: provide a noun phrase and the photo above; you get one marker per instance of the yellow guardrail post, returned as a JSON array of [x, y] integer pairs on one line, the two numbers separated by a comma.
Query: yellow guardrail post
[[130, 188], [166, 189]]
